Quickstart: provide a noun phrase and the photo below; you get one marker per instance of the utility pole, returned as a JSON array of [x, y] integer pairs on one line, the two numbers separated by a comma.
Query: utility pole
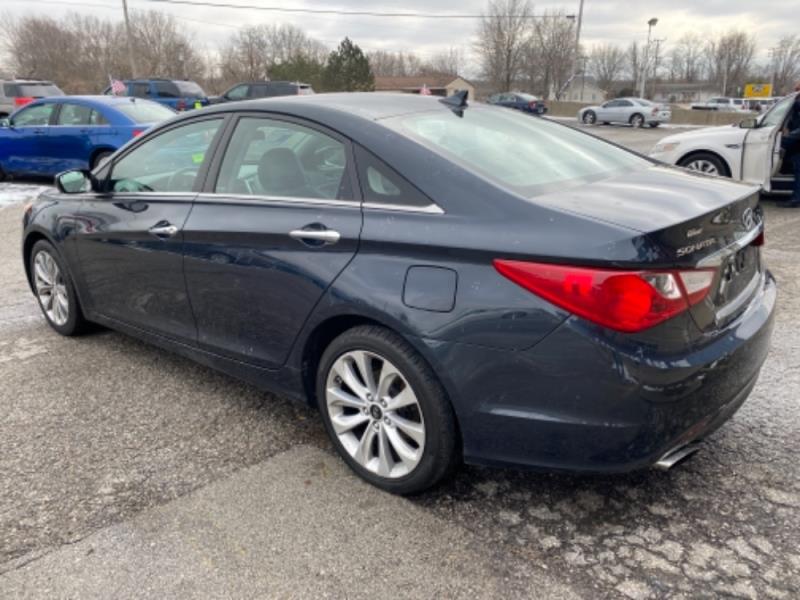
[[131, 57], [578, 25], [655, 65], [650, 24], [772, 70]]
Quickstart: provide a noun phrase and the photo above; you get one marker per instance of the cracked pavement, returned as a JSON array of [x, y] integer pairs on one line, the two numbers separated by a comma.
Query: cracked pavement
[[116, 453]]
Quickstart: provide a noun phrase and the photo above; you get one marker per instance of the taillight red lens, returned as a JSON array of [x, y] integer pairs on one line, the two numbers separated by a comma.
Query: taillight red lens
[[627, 301], [137, 132], [760, 240], [22, 101]]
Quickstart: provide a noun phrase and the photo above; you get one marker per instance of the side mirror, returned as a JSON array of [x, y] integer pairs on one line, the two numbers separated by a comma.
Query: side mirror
[[750, 123], [74, 182]]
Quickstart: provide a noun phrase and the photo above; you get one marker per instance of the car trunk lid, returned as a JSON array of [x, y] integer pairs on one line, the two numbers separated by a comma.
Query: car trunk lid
[[688, 221]]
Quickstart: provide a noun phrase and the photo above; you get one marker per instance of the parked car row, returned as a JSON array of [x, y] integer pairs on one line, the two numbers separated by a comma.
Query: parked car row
[[43, 131]]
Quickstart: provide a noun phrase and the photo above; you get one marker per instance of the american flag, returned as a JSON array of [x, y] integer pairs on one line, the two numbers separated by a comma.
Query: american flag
[[118, 88]]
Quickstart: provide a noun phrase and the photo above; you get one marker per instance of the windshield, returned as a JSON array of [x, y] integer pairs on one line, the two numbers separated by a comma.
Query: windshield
[[144, 111], [643, 102], [39, 90], [527, 97], [516, 152], [778, 113], [190, 88]]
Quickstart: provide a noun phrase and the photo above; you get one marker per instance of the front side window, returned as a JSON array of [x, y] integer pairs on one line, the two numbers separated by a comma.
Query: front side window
[[168, 162], [74, 115], [33, 116], [625, 103], [266, 157], [526, 156], [776, 116]]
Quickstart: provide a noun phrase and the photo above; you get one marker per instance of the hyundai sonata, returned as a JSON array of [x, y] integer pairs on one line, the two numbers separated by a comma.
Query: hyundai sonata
[[445, 282]]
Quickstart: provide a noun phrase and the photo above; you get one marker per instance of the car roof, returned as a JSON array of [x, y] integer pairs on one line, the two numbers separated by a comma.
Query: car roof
[[28, 81], [98, 99], [367, 105]]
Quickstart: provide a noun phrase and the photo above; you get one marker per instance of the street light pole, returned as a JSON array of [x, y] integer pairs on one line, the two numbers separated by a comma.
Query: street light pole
[[650, 24], [129, 35]]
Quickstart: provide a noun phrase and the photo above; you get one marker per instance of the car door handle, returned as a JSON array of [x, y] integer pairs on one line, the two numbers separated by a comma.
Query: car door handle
[[326, 236], [163, 231]]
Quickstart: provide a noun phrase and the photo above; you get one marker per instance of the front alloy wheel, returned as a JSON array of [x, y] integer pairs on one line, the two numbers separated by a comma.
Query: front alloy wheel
[[51, 288], [703, 165], [375, 414]]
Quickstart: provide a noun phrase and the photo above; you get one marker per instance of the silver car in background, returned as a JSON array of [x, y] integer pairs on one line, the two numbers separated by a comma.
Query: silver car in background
[[631, 111]]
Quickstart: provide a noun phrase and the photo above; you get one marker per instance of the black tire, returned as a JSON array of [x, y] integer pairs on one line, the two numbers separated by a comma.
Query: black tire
[[654, 124], [2, 174], [100, 157], [713, 159], [441, 452], [589, 118], [636, 120], [606, 123], [75, 323]]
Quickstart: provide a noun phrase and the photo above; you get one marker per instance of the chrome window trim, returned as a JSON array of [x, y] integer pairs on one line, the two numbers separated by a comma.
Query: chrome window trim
[[259, 199]]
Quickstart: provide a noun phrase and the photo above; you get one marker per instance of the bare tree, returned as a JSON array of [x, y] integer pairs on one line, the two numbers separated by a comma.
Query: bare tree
[[729, 59], [503, 35], [785, 64], [394, 64], [252, 51], [606, 63], [686, 58], [450, 62], [550, 53]]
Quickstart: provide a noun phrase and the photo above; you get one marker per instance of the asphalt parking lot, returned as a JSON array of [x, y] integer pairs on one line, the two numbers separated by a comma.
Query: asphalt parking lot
[[129, 472]]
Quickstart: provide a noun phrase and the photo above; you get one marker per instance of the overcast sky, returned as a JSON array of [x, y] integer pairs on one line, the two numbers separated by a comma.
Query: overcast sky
[[617, 21]]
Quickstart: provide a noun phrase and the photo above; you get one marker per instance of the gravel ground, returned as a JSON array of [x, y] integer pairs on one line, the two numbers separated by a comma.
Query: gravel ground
[[103, 432]]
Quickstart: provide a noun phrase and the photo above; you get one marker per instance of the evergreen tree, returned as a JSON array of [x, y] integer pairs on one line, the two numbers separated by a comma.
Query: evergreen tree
[[348, 70], [299, 68]]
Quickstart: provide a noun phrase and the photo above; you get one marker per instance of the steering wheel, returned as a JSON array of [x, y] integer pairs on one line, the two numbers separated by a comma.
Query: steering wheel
[[182, 179]]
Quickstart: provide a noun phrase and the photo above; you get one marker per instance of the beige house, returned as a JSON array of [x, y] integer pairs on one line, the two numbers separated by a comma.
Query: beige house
[[583, 88], [439, 85]]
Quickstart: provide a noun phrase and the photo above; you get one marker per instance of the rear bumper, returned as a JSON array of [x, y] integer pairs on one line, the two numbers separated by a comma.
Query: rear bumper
[[577, 402]]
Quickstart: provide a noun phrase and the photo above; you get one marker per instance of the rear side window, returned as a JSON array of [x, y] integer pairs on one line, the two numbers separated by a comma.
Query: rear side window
[[166, 89], [38, 90], [267, 157], [238, 93], [380, 184], [74, 115], [9, 90], [140, 90]]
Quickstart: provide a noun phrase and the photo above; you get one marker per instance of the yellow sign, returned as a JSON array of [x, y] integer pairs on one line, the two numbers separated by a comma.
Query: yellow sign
[[758, 90]]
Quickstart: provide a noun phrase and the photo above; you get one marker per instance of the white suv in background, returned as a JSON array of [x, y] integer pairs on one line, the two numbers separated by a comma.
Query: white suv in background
[[748, 151], [722, 104]]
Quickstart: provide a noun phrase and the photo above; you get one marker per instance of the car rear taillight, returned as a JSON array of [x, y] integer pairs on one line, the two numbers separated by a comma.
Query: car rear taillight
[[137, 132], [532, 104], [760, 240], [22, 101], [627, 301], [181, 105], [655, 111]]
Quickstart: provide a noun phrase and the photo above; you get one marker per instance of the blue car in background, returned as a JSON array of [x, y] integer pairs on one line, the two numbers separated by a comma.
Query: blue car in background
[[72, 132], [178, 94]]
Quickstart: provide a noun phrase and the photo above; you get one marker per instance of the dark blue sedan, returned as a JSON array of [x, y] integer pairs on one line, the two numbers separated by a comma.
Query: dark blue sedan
[[519, 101], [443, 281], [72, 132]]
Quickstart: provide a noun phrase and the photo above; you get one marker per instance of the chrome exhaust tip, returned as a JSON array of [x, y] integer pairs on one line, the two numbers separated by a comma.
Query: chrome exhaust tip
[[673, 457]]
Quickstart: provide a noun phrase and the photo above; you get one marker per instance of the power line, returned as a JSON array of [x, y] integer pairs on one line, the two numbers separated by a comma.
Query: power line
[[348, 13]]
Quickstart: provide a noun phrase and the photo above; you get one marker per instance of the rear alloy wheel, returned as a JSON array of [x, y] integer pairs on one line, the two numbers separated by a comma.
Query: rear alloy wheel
[[637, 120], [55, 291], [705, 163], [385, 411], [589, 118]]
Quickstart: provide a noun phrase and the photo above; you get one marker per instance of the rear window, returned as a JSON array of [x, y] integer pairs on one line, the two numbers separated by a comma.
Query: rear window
[[38, 90], [144, 111], [190, 88], [527, 97], [524, 155]]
